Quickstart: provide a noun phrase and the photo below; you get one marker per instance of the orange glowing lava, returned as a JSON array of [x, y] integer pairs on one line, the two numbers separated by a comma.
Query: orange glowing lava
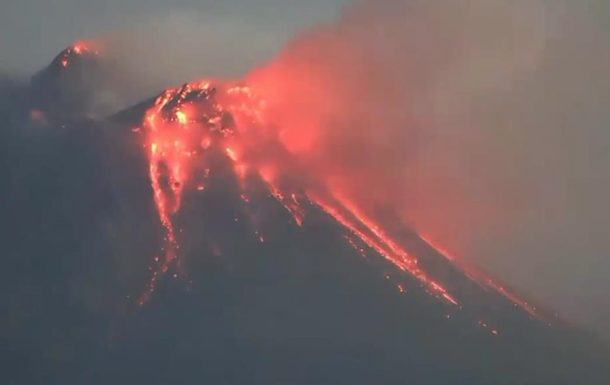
[[181, 128], [371, 234], [78, 48], [486, 282], [188, 123]]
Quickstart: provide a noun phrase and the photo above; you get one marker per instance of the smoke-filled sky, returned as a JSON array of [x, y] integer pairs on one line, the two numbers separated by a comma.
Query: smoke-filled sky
[[484, 122]]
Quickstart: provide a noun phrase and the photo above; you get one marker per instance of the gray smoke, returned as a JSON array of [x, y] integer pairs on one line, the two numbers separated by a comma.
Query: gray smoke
[[484, 122]]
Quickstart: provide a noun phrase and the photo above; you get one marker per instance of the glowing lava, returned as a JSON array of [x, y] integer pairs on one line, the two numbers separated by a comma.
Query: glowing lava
[[183, 125], [186, 124], [484, 281], [78, 48], [376, 239]]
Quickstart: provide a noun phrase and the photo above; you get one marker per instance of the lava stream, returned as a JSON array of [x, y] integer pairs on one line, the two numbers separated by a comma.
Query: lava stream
[[186, 123], [381, 243]]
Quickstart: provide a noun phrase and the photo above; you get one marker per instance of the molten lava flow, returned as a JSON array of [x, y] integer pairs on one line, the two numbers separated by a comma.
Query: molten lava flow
[[166, 126], [181, 128], [370, 233], [187, 124], [290, 204], [484, 281]]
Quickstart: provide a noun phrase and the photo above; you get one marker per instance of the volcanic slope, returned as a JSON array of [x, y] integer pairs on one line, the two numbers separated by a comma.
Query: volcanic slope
[[121, 268]]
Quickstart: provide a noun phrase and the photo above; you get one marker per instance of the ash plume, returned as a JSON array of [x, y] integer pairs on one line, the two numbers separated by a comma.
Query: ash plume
[[482, 122]]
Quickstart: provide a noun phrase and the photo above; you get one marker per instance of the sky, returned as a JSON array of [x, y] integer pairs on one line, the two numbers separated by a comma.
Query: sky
[[34, 31], [520, 124]]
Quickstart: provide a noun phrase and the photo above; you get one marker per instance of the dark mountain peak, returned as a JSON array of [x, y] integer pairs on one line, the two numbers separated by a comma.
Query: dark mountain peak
[[73, 86], [74, 56]]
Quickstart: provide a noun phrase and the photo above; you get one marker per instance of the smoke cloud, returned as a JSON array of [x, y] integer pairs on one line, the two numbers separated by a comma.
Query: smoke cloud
[[483, 122]]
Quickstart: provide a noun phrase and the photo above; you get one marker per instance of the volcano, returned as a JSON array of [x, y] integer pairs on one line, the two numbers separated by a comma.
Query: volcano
[[178, 241], [72, 87]]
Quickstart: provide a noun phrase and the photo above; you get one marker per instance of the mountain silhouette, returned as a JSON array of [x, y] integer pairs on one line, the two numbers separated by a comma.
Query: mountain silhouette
[[259, 287]]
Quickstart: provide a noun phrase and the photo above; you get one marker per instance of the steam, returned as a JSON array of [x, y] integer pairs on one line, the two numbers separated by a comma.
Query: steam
[[483, 122]]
